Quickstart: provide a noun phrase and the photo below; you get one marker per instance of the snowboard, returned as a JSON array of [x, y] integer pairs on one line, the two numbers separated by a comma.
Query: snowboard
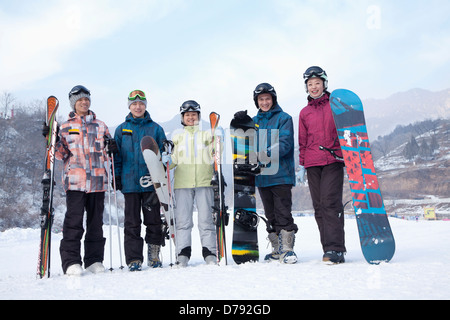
[[152, 158], [48, 182], [219, 209], [376, 238], [245, 219]]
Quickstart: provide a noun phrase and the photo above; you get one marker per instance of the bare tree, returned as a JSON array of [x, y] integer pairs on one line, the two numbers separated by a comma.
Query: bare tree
[[7, 100]]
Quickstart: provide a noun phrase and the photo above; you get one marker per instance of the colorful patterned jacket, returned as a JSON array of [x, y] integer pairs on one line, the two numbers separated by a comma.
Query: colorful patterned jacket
[[81, 147]]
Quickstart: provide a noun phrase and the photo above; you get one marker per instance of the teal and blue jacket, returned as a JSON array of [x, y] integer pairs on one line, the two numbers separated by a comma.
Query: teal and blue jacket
[[129, 163], [276, 135]]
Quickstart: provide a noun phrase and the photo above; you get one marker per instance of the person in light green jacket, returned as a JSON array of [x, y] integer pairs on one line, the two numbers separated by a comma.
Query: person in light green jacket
[[193, 163]]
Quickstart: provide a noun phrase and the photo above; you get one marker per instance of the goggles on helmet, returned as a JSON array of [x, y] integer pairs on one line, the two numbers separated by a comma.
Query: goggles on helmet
[[314, 72], [264, 88], [190, 106]]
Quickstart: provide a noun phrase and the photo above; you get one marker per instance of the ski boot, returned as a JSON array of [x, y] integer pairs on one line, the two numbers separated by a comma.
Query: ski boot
[[275, 254], [287, 254], [135, 265], [210, 258], [333, 257], [153, 256]]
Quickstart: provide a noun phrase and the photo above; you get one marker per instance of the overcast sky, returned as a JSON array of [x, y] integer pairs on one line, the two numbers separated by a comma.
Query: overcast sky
[[216, 52]]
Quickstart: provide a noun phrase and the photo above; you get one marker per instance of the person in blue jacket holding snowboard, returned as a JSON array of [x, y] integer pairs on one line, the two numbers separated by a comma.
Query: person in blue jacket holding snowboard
[[276, 151], [129, 168]]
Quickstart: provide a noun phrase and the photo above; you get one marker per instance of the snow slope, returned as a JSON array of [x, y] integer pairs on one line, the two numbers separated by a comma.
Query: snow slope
[[419, 270]]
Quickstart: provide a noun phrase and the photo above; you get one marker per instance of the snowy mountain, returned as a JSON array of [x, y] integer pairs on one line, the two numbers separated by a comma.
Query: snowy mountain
[[383, 115]]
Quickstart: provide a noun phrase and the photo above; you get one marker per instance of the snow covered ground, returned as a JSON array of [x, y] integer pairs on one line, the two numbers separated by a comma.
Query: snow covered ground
[[419, 270]]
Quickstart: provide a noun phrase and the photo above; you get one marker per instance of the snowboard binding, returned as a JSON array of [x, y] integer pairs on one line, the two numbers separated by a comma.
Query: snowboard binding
[[247, 219]]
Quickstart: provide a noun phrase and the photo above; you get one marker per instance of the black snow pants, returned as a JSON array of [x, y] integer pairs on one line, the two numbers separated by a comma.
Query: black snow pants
[[148, 204], [326, 187], [277, 203], [94, 242]]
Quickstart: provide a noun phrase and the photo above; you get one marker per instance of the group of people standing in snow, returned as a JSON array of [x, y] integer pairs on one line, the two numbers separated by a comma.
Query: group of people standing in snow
[[84, 143]]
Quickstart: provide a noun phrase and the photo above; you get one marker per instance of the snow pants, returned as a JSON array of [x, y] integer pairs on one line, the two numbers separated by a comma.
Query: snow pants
[[204, 200], [94, 242], [326, 187], [277, 203], [148, 204]]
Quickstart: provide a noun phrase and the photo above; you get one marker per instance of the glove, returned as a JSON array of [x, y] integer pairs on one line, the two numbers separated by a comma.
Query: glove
[[240, 115], [46, 131], [166, 158], [110, 146], [300, 174]]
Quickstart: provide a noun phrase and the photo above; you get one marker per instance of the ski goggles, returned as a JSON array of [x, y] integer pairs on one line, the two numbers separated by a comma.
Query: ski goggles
[[137, 94], [314, 72], [190, 106], [79, 89], [264, 89]]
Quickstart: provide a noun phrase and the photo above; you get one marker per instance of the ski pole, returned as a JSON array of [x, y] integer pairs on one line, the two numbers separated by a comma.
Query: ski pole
[[110, 223], [117, 209]]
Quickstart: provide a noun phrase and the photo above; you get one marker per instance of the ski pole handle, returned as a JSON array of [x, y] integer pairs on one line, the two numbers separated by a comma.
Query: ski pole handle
[[168, 146]]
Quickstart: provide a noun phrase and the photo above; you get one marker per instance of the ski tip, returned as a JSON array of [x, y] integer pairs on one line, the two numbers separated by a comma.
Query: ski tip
[[52, 101], [214, 119], [148, 142]]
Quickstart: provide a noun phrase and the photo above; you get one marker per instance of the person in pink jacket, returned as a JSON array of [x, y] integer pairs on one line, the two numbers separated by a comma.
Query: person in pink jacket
[[321, 156]]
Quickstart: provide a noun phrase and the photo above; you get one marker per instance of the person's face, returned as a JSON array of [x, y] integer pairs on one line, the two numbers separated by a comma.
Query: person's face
[[190, 118], [315, 87], [82, 106], [265, 101], [137, 109]]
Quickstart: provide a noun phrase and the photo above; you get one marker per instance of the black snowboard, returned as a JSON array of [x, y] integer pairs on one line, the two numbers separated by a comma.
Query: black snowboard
[[245, 236]]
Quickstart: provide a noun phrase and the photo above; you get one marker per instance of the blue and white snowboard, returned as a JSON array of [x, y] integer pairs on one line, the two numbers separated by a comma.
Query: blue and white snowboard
[[377, 240]]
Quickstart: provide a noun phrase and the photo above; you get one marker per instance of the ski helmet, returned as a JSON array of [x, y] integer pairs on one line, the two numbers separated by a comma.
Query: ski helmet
[[317, 72], [189, 105], [264, 88]]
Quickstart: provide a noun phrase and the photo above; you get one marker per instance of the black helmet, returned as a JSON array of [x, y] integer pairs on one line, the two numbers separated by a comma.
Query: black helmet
[[317, 72], [189, 105], [264, 88]]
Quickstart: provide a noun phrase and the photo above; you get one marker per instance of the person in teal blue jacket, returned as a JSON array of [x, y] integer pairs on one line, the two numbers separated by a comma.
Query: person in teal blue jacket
[[276, 152], [129, 167]]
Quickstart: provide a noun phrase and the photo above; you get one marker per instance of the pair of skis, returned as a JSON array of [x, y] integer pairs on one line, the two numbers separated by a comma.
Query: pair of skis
[[48, 183], [219, 209]]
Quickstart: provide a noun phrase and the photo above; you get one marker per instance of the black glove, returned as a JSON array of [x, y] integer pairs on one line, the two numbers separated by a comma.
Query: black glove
[[110, 145], [240, 115], [46, 131]]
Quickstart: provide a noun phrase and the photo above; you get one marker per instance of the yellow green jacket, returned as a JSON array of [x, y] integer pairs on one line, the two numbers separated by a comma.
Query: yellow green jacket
[[192, 158]]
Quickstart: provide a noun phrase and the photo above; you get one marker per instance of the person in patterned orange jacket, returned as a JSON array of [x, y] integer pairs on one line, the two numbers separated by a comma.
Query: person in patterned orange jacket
[[81, 147]]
